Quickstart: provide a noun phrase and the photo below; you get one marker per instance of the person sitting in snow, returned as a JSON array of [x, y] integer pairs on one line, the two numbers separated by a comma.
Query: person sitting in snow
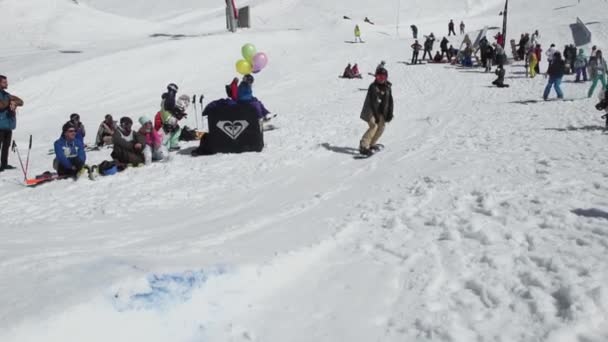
[[106, 131], [348, 72], [246, 96], [232, 89], [438, 57], [70, 155], [128, 145], [500, 81], [80, 131], [355, 71], [154, 149]]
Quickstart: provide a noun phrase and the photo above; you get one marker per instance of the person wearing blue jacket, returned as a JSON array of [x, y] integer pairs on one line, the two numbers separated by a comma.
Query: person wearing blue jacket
[[69, 152], [245, 95], [8, 121]]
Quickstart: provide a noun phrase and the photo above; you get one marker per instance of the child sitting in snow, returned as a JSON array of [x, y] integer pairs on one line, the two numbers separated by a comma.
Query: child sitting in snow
[[246, 96]]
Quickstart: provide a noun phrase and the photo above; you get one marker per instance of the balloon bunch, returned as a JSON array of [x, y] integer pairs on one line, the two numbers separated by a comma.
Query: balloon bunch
[[253, 61]]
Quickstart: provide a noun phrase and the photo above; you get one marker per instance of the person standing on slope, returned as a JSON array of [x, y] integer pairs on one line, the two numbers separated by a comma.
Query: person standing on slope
[[451, 28], [580, 66], [533, 62], [598, 70], [416, 47], [462, 27], [556, 73], [358, 34], [538, 51], [377, 111], [8, 121]]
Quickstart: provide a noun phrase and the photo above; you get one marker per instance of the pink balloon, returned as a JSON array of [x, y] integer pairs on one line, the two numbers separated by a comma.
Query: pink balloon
[[259, 61]]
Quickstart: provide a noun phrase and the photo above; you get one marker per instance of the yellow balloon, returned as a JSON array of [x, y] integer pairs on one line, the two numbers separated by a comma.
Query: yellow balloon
[[243, 67]]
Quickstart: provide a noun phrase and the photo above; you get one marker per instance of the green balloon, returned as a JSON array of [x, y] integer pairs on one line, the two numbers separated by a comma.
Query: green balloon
[[248, 51]]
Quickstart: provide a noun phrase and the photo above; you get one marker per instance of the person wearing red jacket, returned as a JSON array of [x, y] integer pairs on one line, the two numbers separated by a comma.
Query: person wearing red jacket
[[500, 39], [538, 51]]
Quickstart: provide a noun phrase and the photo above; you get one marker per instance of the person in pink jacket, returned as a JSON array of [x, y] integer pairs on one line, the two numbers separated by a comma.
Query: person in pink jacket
[[154, 150]]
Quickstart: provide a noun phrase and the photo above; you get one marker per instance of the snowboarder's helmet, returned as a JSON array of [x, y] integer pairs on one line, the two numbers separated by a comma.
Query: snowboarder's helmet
[[172, 87]]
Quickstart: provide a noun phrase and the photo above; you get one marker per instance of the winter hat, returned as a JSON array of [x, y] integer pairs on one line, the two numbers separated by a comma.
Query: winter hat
[[74, 116], [66, 126], [248, 79], [381, 71], [172, 87], [126, 119], [144, 120]]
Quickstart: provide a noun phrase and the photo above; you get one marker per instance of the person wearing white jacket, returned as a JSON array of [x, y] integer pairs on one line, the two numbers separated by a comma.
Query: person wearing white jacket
[[550, 53]]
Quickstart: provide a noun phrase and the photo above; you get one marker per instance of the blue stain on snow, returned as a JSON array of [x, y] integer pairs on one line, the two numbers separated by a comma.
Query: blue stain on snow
[[165, 290]]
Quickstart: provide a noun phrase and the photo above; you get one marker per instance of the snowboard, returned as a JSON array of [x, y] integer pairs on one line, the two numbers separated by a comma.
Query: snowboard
[[380, 147]]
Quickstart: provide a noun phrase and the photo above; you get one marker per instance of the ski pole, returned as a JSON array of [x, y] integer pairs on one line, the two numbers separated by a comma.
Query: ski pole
[[200, 101], [15, 149], [195, 111], [27, 160]]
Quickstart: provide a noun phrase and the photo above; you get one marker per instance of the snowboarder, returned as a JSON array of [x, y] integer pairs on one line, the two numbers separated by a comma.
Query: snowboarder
[[80, 131], [414, 31], [105, 131], [154, 149], [598, 70], [500, 81], [355, 71], [368, 21], [377, 110], [246, 96], [451, 28], [462, 27], [416, 47], [358, 34], [128, 145], [556, 73], [8, 121], [70, 155], [580, 66]]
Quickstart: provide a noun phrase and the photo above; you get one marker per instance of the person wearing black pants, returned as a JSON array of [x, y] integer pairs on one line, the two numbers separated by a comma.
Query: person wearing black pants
[[8, 121], [6, 136], [416, 47]]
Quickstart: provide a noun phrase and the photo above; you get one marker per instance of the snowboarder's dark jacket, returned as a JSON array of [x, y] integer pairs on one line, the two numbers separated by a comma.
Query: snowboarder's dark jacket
[[124, 151], [378, 101], [557, 68]]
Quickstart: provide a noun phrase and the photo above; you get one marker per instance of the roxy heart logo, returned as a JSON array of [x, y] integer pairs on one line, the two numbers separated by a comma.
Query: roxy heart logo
[[233, 128]]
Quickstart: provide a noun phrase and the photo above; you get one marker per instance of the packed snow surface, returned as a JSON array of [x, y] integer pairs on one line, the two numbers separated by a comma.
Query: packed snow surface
[[485, 218]]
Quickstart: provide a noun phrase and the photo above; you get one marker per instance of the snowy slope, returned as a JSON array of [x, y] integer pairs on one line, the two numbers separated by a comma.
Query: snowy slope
[[484, 218]]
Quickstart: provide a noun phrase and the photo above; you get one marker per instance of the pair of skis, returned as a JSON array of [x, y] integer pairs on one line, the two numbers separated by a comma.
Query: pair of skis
[[200, 102]]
